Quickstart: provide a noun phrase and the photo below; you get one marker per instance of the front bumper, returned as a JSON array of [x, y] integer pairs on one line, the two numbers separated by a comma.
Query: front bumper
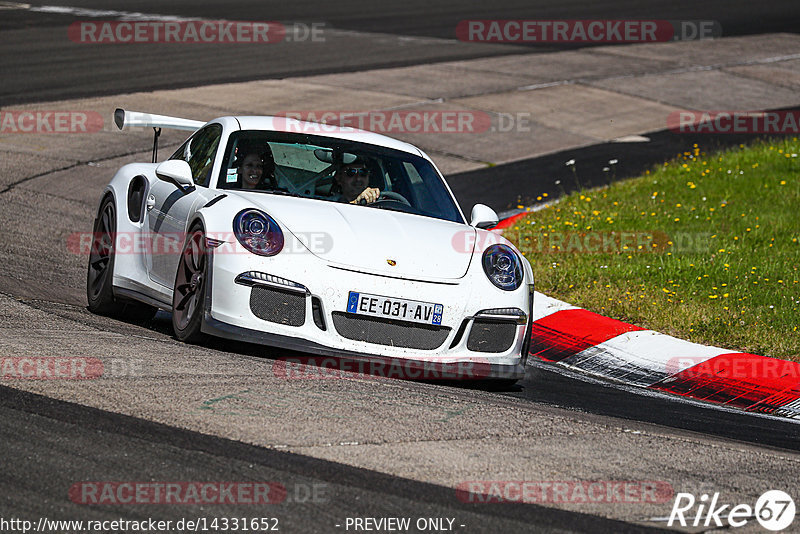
[[324, 288], [449, 369]]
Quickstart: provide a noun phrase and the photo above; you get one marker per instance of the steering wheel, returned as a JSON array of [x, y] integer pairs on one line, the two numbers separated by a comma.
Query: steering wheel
[[391, 196]]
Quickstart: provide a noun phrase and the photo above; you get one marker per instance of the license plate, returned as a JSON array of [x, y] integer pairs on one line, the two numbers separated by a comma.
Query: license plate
[[395, 308]]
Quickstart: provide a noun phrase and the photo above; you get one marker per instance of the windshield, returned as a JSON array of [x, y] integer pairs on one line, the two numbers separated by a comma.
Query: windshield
[[335, 170]]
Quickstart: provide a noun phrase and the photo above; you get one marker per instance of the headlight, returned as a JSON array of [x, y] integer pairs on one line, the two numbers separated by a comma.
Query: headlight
[[503, 267], [258, 232]]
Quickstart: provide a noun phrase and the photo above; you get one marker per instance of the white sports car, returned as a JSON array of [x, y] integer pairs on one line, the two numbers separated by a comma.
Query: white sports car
[[331, 241]]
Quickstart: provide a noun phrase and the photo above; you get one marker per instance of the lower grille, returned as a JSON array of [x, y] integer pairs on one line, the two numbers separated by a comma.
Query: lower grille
[[389, 332], [491, 336], [278, 306]]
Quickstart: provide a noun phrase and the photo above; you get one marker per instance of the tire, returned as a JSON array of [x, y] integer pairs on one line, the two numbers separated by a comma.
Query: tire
[[188, 296], [100, 271]]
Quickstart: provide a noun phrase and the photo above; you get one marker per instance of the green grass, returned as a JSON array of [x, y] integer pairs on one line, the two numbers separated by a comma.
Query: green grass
[[706, 247]]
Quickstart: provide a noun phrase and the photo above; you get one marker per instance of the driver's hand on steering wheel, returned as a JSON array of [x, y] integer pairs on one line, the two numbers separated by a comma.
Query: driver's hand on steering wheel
[[367, 196]]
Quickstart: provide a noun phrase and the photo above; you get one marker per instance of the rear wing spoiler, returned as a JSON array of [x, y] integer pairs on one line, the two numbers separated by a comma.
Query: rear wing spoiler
[[129, 119], [124, 118]]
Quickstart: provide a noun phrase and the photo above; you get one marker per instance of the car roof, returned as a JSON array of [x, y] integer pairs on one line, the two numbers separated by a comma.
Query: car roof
[[290, 125]]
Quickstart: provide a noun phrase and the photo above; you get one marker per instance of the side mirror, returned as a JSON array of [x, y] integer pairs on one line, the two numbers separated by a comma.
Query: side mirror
[[177, 172], [483, 217]]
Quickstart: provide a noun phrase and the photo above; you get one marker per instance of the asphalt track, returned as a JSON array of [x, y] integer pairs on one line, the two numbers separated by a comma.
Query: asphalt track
[[319, 494], [48, 444], [38, 62]]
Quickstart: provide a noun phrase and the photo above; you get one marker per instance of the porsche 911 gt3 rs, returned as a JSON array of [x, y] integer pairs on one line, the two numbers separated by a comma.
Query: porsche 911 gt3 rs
[[247, 232]]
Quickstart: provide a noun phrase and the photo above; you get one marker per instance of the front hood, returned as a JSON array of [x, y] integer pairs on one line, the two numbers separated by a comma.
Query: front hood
[[366, 239]]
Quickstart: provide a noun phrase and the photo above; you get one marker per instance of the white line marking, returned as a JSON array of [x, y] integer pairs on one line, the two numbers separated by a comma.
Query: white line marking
[[13, 5], [103, 13], [631, 139]]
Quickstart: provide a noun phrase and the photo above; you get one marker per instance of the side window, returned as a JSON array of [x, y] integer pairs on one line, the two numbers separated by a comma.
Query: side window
[[199, 152]]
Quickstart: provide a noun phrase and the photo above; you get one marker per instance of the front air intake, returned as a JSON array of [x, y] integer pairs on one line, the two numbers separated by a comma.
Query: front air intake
[[279, 306]]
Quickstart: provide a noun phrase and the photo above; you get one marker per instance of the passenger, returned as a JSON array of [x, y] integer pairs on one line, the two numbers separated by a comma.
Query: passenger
[[257, 169], [352, 180]]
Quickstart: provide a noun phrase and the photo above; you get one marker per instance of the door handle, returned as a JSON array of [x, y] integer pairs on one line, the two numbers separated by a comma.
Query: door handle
[[151, 202]]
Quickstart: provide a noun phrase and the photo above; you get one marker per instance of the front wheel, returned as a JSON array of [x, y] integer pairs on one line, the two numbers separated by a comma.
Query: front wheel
[[189, 292]]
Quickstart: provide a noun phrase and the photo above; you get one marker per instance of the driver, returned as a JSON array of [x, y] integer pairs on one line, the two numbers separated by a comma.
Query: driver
[[353, 181]]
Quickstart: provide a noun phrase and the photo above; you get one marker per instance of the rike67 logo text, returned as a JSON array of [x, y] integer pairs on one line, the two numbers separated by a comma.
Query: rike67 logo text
[[774, 510]]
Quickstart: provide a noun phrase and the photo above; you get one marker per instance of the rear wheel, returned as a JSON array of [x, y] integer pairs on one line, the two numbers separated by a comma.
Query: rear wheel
[[100, 272], [189, 293]]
